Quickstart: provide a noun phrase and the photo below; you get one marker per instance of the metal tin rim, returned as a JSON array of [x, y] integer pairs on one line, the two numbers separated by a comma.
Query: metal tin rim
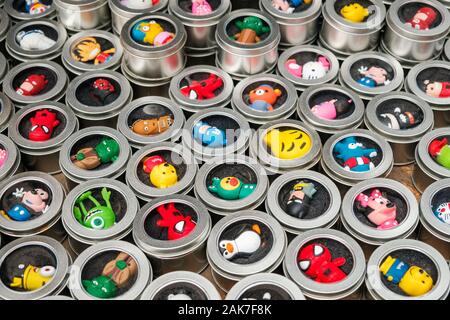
[[447, 50], [6, 110], [430, 166], [8, 7], [78, 4], [118, 8], [13, 160], [190, 19], [4, 24], [295, 18]]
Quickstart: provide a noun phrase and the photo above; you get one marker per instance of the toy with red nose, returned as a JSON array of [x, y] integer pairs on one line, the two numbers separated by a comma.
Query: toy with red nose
[[315, 261], [440, 151], [32, 85], [264, 97], [423, 19], [437, 89], [42, 125], [178, 226], [245, 244], [203, 89], [378, 209]]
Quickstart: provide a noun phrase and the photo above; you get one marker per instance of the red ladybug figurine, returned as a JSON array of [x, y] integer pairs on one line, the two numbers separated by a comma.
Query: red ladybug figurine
[[42, 125], [178, 226], [32, 85]]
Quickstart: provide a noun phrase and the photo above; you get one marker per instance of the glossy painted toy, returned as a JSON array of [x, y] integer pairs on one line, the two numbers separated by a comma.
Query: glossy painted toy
[[264, 97], [35, 7], [250, 30], [437, 89], [209, 136], [400, 120], [32, 85], [330, 110], [88, 50], [442, 212], [33, 278], [31, 203], [289, 144], [231, 188], [440, 151], [355, 156], [311, 70], [152, 33], [178, 225], [148, 127], [42, 125], [34, 40], [90, 158], [203, 89], [99, 216], [245, 244], [288, 6], [3, 157], [298, 203], [100, 90], [201, 7], [354, 12], [378, 209], [316, 262], [373, 76], [412, 280], [178, 296], [162, 174], [121, 269], [102, 287], [423, 19]]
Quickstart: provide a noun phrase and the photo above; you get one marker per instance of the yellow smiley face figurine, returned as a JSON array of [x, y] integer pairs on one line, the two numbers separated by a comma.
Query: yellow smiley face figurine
[[289, 144], [354, 12]]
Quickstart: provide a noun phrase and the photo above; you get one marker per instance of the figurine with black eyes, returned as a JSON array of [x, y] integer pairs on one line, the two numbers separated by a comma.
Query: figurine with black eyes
[[400, 120]]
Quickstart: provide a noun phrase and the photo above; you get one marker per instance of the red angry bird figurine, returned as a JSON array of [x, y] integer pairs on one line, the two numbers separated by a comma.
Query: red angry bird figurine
[[203, 89], [103, 85], [178, 226], [316, 262], [32, 85], [423, 18], [42, 125]]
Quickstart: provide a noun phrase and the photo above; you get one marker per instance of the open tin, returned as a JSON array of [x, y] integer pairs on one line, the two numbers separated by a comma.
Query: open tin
[[242, 244], [20, 11], [172, 231], [4, 67], [422, 271], [340, 252], [6, 111], [10, 159], [79, 15], [95, 274], [33, 268]]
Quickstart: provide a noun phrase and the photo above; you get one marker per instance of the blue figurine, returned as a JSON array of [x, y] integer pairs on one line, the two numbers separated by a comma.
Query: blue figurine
[[355, 156], [19, 213], [209, 136]]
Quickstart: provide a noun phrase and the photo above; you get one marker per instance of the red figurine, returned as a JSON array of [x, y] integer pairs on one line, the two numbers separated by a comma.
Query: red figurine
[[437, 89], [42, 125], [178, 226], [204, 89], [32, 85], [315, 261], [103, 85], [423, 18]]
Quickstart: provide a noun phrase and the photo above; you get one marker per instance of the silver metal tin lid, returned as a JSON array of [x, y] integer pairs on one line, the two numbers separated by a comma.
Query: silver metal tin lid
[[301, 84], [4, 24], [52, 145], [89, 235], [189, 19], [17, 52], [295, 225], [6, 110], [79, 4], [259, 151], [169, 249], [370, 234], [424, 159], [446, 52], [266, 263], [283, 111], [346, 79], [295, 18], [414, 134], [119, 8], [12, 162], [178, 155], [265, 282], [78, 67], [59, 279], [193, 105], [4, 67], [144, 269], [140, 81], [226, 207], [57, 298], [112, 171], [42, 222], [55, 93], [379, 291], [353, 120], [139, 141], [16, 14], [317, 290], [349, 178], [178, 279]]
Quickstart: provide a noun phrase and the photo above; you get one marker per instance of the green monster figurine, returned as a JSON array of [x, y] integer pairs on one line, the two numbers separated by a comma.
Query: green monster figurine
[[90, 158], [231, 188], [250, 30], [101, 287], [98, 217]]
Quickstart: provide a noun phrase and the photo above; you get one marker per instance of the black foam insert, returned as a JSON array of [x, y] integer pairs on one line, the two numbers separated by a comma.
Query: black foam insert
[[166, 25], [231, 29], [19, 5], [339, 4], [442, 196], [367, 144], [181, 288], [50, 76], [281, 129], [413, 258], [199, 76], [327, 95], [238, 170], [25, 124], [227, 124], [186, 5], [388, 107], [432, 75], [408, 10], [371, 62], [89, 96], [105, 44], [148, 111], [35, 255], [265, 292], [90, 142], [49, 32], [281, 99]]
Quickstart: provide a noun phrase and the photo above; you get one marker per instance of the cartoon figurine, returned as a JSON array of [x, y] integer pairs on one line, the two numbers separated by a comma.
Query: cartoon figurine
[[299, 199], [90, 158], [88, 49], [423, 18], [100, 287], [355, 156], [264, 97], [139, 4], [98, 217], [315, 261], [442, 212], [440, 151], [378, 209], [35, 7], [201, 7], [231, 188], [178, 296], [288, 6], [330, 110], [162, 174], [42, 125], [437, 89], [245, 244], [250, 30], [412, 280], [311, 70], [148, 127], [101, 90], [32, 85], [354, 12], [266, 296], [209, 136], [33, 278], [152, 33], [203, 89], [32, 202], [289, 144], [178, 225], [373, 76], [3, 157], [399, 120], [34, 40], [121, 270]]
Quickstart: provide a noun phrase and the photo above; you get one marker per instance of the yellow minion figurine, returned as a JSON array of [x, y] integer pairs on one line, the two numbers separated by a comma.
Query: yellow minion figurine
[[289, 144], [354, 12], [33, 278]]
